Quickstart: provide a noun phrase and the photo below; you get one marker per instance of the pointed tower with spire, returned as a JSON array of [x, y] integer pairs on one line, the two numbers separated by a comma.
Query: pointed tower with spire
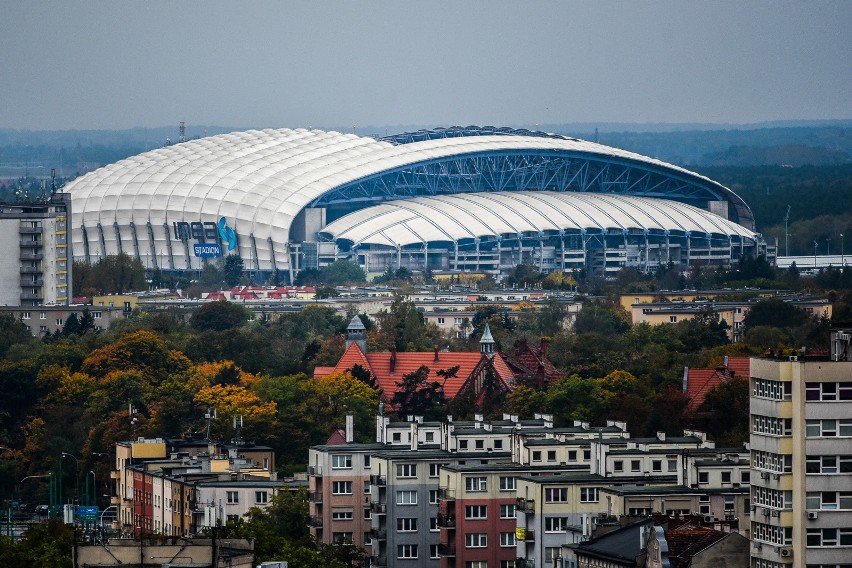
[[356, 333], [486, 344]]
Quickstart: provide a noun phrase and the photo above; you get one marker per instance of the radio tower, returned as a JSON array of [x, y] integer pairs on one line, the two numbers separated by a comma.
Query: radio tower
[[182, 132]]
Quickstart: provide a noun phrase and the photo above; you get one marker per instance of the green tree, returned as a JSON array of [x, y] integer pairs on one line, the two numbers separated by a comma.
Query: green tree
[[595, 318], [233, 270], [12, 332], [343, 272], [724, 414], [416, 395], [219, 316]]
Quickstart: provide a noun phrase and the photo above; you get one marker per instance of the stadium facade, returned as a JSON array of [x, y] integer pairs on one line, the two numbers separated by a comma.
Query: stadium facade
[[473, 199]]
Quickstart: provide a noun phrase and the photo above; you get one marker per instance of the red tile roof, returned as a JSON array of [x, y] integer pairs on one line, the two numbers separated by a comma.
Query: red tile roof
[[408, 362], [700, 381]]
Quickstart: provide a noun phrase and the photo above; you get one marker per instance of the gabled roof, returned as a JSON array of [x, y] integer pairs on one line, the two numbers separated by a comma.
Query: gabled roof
[[379, 364], [620, 546], [700, 381]]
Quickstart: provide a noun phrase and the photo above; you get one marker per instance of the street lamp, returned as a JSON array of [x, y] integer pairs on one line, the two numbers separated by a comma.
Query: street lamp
[[76, 475], [18, 492]]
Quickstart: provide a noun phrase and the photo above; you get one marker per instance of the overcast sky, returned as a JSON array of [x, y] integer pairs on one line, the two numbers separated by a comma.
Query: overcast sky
[[111, 64]]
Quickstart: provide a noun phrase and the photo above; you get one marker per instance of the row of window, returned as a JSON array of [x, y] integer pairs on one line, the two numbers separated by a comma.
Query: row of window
[[828, 391], [480, 444], [829, 464], [551, 455], [772, 425], [829, 500], [560, 495], [828, 428], [411, 551], [776, 390], [636, 465], [260, 497], [829, 537], [772, 497], [778, 536], [778, 463], [43, 315], [480, 512]]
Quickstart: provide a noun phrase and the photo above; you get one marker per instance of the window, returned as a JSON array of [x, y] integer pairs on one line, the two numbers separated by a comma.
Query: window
[[406, 524], [745, 476], [404, 470], [507, 483], [434, 468], [507, 564], [462, 444], [430, 436], [261, 497], [672, 465], [656, 465], [341, 461], [588, 494], [341, 537], [341, 488], [551, 455], [498, 444], [828, 464], [406, 497], [507, 539], [366, 460], [572, 455], [551, 552], [433, 551], [479, 444], [440, 321], [536, 456], [618, 465], [766, 388], [729, 504], [829, 537], [635, 465], [556, 495], [397, 436], [726, 477], [406, 551], [673, 319], [433, 524], [828, 428], [25, 315], [703, 477], [368, 514], [42, 315], [587, 455], [59, 322], [475, 540], [341, 515], [555, 524], [97, 315], [828, 392], [507, 511], [704, 504], [433, 496], [367, 487], [476, 564], [233, 497], [475, 512], [829, 500], [476, 484]]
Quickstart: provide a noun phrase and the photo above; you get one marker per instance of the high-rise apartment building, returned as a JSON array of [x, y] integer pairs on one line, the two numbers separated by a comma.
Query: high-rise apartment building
[[801, 456], [36, 269]]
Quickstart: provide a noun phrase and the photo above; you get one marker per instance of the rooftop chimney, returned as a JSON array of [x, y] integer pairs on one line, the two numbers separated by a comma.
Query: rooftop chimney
[[393, 359], [436, 353], [543, 349], [350, 428], [414, 435]]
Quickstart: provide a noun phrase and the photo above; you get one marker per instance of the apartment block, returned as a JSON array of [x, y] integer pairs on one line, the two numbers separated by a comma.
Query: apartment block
[[801, 454], [36, 270]]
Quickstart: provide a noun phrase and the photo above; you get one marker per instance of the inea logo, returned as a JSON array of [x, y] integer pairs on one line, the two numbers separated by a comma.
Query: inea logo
[[227, 234]]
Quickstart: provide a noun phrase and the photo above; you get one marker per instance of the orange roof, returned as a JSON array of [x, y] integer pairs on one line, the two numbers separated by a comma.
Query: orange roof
[[700, 381], [408, 362]]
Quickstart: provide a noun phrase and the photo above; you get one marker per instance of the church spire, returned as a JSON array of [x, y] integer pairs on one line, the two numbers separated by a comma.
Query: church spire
[[486, 344]]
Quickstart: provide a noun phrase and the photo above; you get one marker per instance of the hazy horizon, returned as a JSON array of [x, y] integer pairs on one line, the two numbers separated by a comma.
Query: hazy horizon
[[98, 64]]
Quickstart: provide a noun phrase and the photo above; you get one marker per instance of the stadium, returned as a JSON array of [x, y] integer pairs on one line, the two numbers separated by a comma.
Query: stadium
[[461, 199]]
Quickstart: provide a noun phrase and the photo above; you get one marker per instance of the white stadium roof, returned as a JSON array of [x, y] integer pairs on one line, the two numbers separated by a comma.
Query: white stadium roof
[[260, 180], [477, 215]]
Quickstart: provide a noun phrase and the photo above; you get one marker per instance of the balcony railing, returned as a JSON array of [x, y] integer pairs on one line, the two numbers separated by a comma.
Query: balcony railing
[[30, 243], [315, 470], [524, 563], [28, 255], [379, 534], [525, 505], [380, 561], [315, 521], [447, 521], [379, 508], [446, 494], [378, 480], [31, 270], [30, 230], [529, 536], [30, 282], [448, 549], [315, 497], [32, 295]]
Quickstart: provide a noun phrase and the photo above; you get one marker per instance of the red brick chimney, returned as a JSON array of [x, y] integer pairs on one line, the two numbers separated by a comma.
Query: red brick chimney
[[393, 358]]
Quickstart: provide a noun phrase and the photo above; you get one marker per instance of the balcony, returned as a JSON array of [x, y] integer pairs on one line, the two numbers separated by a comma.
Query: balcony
[[25, 283], [315, 521], [379, 534], [28, 255], [446, 494], [380, 561], [448, 549], [378, 480], [30, 243], [30, 230], [525, 505], [39, 295], [446, 521], [315, 471], [31, 270], [529, 536], [315, 497], [524, 563], [379, 508]]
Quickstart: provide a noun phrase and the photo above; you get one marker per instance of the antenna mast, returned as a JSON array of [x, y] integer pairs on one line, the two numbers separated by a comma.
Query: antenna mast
[[786, 233]]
